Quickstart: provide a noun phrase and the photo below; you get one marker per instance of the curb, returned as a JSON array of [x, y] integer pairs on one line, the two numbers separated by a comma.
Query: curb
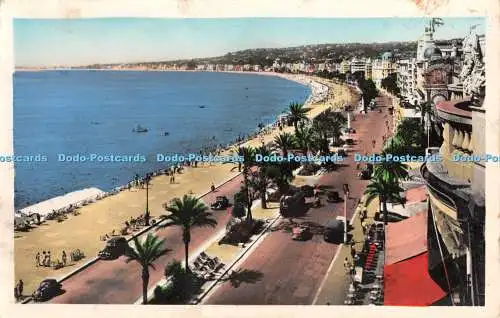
[[95, 259], [199, 299]]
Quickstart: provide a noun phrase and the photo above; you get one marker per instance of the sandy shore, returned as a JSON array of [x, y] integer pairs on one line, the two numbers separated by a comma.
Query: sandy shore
[[83, 231]]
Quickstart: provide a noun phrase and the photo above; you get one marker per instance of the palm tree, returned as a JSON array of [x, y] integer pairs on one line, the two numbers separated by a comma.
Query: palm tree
[[395, 145], [284, 142], [297, 113], [390, 170], [425, 109], [146, 253], [260, 179], [304, 138], [385, 191], [187, 213], [248, 154]]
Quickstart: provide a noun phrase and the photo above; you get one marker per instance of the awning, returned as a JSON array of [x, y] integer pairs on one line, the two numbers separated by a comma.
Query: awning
[[417, 194], [406, 238], [408, 283]]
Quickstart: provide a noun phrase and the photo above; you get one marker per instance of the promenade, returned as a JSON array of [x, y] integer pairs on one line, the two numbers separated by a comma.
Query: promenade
[[94, 220]]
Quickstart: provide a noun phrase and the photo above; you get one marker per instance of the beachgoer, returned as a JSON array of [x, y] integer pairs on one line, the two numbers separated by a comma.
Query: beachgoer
[[346, 264], [212, 187], [48, 258], [37, 259], [20, 287], [64, 258], [44, 261]]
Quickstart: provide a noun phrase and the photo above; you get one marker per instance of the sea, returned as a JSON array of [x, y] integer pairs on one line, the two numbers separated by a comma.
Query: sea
[[82, 113]]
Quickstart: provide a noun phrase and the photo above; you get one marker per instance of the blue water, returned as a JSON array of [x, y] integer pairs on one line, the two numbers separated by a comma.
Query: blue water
[[88, 112]]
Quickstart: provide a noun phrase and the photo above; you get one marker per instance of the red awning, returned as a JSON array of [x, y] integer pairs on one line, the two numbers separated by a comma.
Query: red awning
[[408, 283], [405, 239], [418, 194]]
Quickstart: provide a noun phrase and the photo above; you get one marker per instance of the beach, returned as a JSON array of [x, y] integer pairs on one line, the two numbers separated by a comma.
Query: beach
[[83, 231]]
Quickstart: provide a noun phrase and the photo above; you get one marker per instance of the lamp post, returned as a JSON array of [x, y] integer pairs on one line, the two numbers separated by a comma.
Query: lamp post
[[147, 179], [346, 196]]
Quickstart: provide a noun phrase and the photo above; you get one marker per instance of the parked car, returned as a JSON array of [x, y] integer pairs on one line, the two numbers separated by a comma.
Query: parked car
[[115, 247], [334, 231], [333, 196], [47, 289], [301, 233], [341, 152], [291, 205], [221, 203], [307, 190]]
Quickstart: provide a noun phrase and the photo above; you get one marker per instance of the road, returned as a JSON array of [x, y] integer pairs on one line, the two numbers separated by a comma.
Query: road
[[281, 271], [118, 282]]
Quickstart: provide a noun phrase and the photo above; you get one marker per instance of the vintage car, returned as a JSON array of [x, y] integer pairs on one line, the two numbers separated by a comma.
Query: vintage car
[[293, 205], [301, 233], [307, 190], [333, 196], [47, 289], [221, 203], [115, 247], [334, 231]]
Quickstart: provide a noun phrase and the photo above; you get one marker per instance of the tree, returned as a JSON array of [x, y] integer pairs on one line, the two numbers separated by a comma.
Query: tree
[[284, 142], [260, 180], [187, 213], [390, 83], [146, 253], [425, 109], [368, 90], [304, 139], [297, 113], [386, 191], [239, 205], [390, 170], [409, 132], [281, 173], [248, 154]]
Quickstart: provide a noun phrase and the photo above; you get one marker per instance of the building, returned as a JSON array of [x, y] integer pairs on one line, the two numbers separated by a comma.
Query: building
[[407, 80], [368, 69], [357, 65], [456, 209], [345, 67], [383, 67]]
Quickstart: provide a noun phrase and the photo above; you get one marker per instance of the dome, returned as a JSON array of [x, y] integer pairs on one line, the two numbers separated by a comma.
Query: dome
[[387, 56], [432, 53]]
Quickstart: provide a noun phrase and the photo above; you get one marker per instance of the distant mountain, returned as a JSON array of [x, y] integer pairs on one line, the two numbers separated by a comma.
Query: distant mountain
[[309, 53]]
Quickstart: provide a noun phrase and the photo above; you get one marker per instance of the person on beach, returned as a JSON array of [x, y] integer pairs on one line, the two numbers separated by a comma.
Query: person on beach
[[212, 187], [44, 258], [64, 258], [37, 259], [48, 259]]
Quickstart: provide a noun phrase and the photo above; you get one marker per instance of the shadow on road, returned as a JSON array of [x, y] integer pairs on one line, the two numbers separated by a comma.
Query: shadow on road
[[249, 276]]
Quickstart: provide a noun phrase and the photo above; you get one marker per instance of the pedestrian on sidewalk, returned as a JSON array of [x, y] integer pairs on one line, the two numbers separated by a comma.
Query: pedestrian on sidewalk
[[37, 259], [64, 258], [346, 265]]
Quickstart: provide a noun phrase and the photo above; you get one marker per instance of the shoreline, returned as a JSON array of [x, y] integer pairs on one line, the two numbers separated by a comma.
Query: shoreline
[[102, 216], [318, 94]]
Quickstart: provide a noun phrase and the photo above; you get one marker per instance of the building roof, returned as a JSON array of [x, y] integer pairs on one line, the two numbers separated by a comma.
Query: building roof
[[406, 239], [408, 283]]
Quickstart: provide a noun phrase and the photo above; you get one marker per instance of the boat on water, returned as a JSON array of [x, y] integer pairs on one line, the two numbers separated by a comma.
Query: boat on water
[[139, 129]]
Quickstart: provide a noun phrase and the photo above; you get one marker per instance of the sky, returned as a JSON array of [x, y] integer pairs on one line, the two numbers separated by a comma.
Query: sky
[[50, 42]]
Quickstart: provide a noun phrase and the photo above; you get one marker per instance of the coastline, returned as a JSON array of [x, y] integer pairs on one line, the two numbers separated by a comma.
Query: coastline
[[107, 214], [318, 93]]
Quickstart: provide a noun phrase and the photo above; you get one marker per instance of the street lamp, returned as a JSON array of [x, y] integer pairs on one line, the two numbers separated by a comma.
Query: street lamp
[[147, 179], [346, 196]]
